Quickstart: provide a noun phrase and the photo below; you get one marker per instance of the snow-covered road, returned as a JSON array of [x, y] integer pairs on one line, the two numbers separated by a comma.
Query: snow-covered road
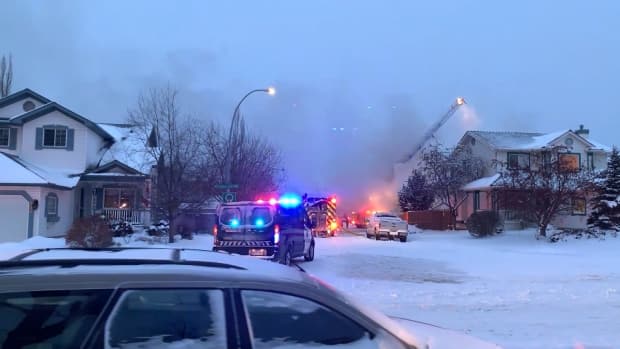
[[510, 289]]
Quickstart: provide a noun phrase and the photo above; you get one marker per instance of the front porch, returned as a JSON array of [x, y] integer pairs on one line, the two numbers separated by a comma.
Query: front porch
[[118, 198]]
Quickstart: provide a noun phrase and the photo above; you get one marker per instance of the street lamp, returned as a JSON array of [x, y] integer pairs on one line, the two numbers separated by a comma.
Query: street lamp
[[235, 122]]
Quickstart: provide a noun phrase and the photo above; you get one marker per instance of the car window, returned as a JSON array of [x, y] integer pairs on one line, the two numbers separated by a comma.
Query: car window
[[49, 319], [231, 216], [260, 216], [283, 321], [167, 319]]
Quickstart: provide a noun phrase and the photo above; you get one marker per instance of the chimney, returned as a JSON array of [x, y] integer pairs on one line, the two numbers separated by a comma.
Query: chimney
[[583, 132]]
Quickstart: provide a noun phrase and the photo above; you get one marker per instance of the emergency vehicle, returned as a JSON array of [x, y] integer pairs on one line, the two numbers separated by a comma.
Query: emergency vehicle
[[277, 229], [322, 213]]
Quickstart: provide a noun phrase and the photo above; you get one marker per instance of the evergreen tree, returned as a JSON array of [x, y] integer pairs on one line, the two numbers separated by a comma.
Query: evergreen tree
[[606, 210], [415, 195]]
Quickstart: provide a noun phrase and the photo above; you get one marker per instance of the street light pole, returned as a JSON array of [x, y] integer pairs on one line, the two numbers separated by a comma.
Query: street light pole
[[234, 125]]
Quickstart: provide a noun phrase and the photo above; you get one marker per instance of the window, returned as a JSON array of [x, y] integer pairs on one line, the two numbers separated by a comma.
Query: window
[[578, 207], [28, 106], [590, 161], [54, 137], [546, 158], [4, 136], [49, 319], [119, 197], [51, 207], [167, 319], [260, 216], [569, 161], [476, 200], [285, 321], [230, 216], [518, 161]]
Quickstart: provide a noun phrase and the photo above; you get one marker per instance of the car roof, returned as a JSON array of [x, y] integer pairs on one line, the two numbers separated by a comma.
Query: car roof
[[110, 267]]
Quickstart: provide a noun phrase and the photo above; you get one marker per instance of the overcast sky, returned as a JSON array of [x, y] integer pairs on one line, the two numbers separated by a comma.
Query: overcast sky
[[382, 70]]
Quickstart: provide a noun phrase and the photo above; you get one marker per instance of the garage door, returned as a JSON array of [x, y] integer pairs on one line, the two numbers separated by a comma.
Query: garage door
[[14, 211]]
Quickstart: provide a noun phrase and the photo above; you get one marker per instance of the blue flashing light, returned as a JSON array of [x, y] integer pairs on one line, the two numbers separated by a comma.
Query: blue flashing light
[[259, 222], [234, 222], [290, 201]]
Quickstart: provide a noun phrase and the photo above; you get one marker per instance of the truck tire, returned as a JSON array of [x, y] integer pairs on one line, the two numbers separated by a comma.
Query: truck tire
[[403, 239], [285, 255], [309, 257]]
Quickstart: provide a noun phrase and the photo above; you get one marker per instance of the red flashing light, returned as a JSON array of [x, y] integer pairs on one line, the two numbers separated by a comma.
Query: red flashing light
[[276, 234], [273, 201], [260, 201], [333, 226], [333, 200]]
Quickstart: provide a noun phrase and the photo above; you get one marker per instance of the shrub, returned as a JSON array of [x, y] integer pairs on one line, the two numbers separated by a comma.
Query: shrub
[[89, 232], [483, 223]]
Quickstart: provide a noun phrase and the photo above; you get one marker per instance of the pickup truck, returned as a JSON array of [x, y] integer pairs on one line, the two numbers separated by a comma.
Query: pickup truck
[[388, 225]]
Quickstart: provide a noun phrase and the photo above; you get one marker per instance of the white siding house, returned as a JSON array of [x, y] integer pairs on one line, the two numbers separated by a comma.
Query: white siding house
[[56, 167], [519, 149]]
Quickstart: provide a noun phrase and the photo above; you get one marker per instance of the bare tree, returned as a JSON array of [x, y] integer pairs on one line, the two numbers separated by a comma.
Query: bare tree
[[256, 164], [6, 76], [446, 171], [174, 145], [545, 188]]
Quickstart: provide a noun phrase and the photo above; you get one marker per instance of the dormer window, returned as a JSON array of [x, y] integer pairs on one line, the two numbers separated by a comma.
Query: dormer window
[[55, 137]]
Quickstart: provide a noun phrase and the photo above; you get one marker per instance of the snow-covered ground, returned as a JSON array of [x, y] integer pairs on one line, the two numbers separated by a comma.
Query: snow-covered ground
[[510, 289]]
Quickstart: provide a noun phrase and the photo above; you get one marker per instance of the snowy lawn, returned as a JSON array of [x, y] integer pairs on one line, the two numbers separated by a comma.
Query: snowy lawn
[[509, 289]]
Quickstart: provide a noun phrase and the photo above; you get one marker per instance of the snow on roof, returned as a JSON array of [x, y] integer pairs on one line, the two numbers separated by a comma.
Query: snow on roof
[[528, 140], [128, 148], [17, 171], [481, 183], [13, 173]]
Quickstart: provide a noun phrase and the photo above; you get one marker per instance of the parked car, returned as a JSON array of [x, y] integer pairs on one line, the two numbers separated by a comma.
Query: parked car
[[173, 298], [386, 225], [280, 230]]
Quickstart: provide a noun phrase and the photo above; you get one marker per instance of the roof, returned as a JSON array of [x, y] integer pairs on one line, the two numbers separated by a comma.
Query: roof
[[528, 140], [112, 266], [53, 106], [481, 183], [129, 148], [18, 171], [20, 95]]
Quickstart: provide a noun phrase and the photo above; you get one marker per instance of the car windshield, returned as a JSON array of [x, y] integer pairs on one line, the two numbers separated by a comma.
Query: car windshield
[[386, 215]]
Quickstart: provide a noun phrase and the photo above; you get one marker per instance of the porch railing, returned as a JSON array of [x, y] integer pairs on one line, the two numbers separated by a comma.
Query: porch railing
[[130, 215]]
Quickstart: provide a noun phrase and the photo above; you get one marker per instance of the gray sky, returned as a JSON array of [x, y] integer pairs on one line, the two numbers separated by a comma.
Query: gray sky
[[382, 70]]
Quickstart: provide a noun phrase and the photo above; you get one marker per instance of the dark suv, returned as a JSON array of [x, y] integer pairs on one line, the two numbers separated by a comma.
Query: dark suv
[[280, 230], [176, 298]]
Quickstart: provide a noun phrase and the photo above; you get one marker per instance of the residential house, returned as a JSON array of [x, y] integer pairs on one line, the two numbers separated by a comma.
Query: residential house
[[57, 165], [519, 150]]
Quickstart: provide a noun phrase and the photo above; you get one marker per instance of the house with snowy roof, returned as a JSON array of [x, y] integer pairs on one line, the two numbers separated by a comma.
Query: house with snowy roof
[[519, 150], [57, 165]]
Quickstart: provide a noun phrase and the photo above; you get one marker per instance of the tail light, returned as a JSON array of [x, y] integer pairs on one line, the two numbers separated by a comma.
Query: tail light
[[333, 226], [276, 234], [215, 231]]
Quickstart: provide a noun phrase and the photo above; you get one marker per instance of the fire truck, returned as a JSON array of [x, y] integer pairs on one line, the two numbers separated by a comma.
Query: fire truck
[[322, 213]]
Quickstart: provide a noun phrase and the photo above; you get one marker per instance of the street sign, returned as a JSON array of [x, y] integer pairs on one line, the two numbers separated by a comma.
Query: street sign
[[229, 197], [227, 186]]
